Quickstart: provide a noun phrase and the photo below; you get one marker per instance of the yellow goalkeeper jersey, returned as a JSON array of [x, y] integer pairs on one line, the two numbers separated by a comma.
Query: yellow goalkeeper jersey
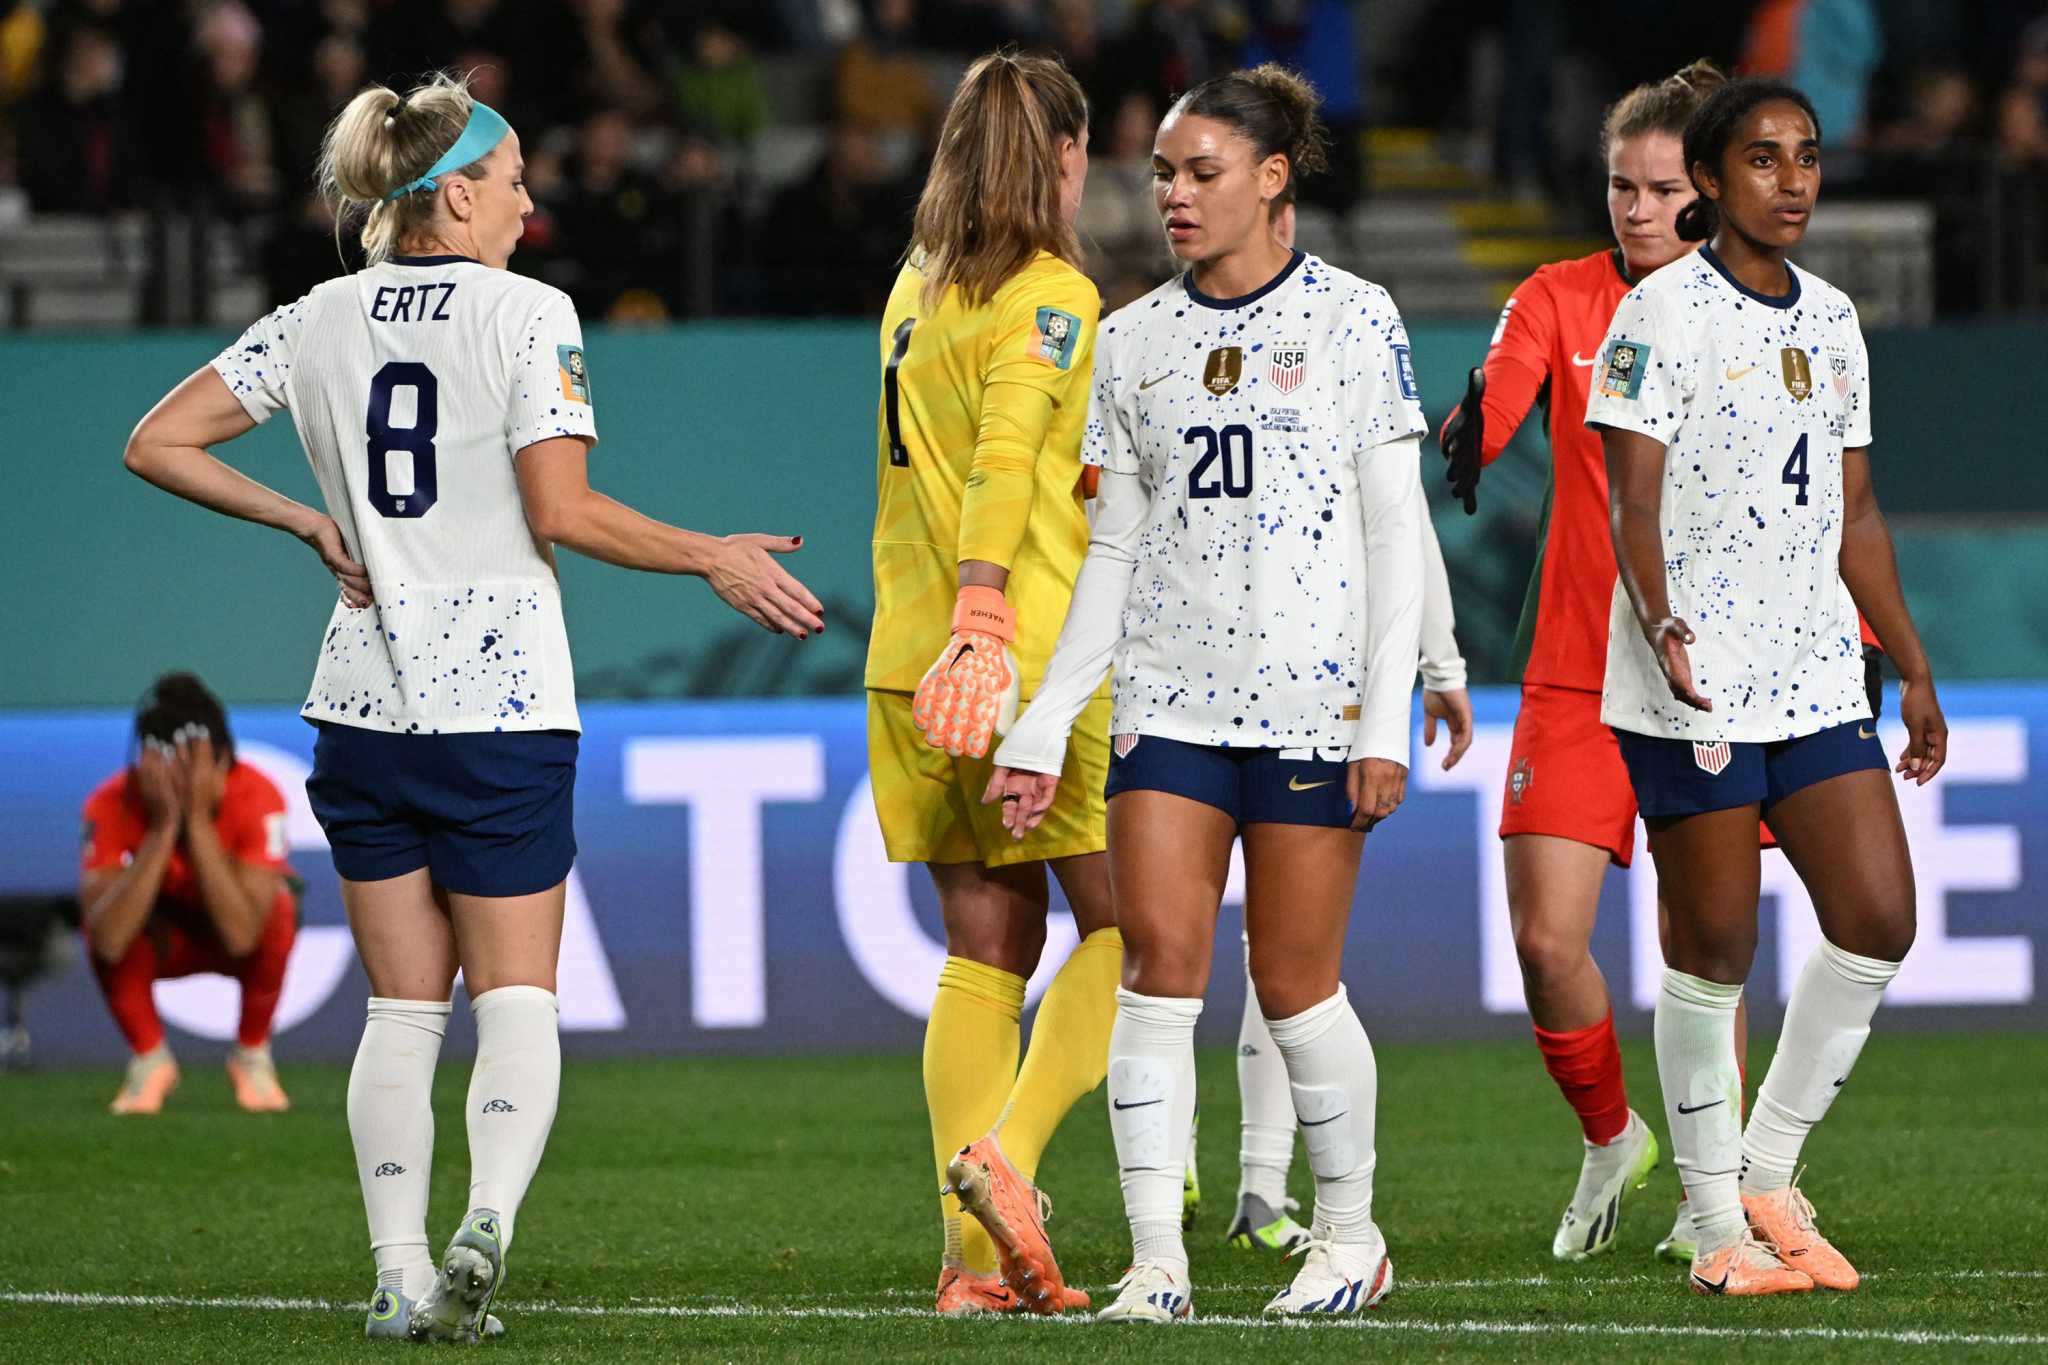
[[978, 456]]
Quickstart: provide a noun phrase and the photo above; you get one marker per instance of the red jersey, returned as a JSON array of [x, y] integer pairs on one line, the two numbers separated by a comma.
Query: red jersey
[[251, 824], [1544, 350]]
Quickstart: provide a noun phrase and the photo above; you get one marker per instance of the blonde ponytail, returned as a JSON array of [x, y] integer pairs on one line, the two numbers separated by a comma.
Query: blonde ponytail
[[992, 200], [380, 141]]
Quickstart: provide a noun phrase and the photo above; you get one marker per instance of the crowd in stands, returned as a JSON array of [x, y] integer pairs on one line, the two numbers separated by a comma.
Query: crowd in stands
[[734, 156]]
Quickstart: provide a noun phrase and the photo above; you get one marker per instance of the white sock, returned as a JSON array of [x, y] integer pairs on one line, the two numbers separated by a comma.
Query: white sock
[[512, 1095], [1827, 1022], [1151, 1105], [391, 1121], [1266, 1134], [1703, 1100], [1336, 1087]]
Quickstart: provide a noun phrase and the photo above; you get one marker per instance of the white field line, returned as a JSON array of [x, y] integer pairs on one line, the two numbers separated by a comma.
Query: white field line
[[729, 1311], [1588, 1282]]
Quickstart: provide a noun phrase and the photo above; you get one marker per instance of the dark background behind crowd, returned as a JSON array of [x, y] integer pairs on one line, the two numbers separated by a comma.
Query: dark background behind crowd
[[762, 156]]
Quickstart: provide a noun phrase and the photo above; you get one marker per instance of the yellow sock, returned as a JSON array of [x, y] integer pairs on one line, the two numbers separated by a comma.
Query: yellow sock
[[970, 1061], [1069, 1048]]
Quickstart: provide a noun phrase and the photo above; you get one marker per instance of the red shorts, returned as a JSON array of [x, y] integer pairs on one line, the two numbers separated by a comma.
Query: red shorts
[[1565, 774], [1566, 778]]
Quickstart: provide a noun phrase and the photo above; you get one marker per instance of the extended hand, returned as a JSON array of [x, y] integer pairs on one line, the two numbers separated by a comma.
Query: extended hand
[[1454, 708], [749, 580], [1376, 786], [1026, 797]]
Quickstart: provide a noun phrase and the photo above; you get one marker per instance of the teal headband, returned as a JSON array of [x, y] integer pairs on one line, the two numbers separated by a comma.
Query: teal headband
[[486, 129]]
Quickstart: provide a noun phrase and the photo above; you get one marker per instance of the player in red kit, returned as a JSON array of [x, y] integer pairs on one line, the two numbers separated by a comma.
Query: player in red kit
[[1568, 810], [184, 872]]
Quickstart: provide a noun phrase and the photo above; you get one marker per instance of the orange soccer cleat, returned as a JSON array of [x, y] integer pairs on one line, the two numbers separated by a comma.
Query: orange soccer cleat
[[1013, 1210], [254, 1077], [1785, 1219], [1746, 1266], [152, 1076], [965, 1294]]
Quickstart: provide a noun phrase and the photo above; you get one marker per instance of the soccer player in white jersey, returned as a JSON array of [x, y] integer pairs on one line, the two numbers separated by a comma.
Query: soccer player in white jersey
[[1733, 400], [1256, 570], [445, 407]]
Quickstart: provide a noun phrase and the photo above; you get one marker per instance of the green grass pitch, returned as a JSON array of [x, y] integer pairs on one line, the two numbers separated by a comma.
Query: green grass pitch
[[744, 1209]]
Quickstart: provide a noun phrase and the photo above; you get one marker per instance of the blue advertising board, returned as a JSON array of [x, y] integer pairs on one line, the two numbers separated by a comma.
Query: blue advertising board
[[731, 891]]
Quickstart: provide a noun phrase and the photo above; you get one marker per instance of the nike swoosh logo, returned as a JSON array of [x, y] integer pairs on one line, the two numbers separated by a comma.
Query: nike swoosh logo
[[1145, 384], [1839, 1084], [1719, 1286], [1317, 1123], [1295, 784], [1134, 1104], [965, 650], [1865, 732], [1696, 1108], [1583, 362], [1732, 374]]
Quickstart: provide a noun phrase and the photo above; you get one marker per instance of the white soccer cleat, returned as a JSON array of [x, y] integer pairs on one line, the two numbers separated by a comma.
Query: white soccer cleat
[[1150, 1291], [1337, 1277], [474, 1266], [1681, 1244], [1608, 1172], [391, 1315]]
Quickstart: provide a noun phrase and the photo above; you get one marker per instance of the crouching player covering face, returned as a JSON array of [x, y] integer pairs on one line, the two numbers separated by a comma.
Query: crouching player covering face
[[1256, 571]]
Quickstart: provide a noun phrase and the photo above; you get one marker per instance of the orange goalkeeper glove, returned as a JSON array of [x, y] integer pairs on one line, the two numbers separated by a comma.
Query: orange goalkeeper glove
[[971, 693]]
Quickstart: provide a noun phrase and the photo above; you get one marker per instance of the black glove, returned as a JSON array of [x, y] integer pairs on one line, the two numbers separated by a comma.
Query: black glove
[[1464, 438], [1873, 680]]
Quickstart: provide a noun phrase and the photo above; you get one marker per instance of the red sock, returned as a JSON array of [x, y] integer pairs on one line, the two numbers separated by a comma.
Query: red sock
[[126, 985], [1586, 1064], [262, 972]]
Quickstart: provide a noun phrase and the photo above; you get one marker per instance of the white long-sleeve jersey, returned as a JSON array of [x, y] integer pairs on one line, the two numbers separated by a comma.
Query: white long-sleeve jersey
[[1257, 564]]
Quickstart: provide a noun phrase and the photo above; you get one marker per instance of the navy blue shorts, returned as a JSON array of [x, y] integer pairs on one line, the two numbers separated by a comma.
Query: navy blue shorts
[[1674, 777], [1251, 786], [488, 814]]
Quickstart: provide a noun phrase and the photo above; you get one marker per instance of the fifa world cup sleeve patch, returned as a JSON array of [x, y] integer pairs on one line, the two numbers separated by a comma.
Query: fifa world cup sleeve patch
[[1404, 371], [1055, 336], [1626, 361], [575, 376]]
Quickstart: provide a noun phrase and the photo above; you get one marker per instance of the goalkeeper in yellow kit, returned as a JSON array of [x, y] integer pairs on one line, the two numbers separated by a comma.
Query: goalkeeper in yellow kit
[[980, 528]]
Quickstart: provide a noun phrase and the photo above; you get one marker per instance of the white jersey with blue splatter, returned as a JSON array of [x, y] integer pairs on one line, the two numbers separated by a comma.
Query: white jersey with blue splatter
[[1755, 398], [414, 384], [1247, 420]]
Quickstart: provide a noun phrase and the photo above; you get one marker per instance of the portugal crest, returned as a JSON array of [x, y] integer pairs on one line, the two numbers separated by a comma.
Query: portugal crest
[[1520, 779], [1289, 367]]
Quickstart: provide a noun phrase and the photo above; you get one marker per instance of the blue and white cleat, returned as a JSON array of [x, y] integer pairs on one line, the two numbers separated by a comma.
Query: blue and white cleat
[[1259, 1226], [455, 1308], [1150, 1291], [1605, 1175], [391, 1314], [1338, 1278]]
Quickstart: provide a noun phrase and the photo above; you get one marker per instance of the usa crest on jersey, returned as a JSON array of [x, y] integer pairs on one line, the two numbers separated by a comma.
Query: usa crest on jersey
[[1289, 367], [1712, 758]]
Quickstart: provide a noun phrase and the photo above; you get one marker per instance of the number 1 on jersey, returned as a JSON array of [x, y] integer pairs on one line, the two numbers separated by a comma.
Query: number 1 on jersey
[[1795, 471], [899, 454], [417, 439]]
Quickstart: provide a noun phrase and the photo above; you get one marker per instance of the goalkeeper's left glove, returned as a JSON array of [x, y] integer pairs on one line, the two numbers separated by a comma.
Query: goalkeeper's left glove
[[970, 694]]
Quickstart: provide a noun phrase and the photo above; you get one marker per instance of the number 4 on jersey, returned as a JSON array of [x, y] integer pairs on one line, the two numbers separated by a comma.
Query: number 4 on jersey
[[1795, 471]]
